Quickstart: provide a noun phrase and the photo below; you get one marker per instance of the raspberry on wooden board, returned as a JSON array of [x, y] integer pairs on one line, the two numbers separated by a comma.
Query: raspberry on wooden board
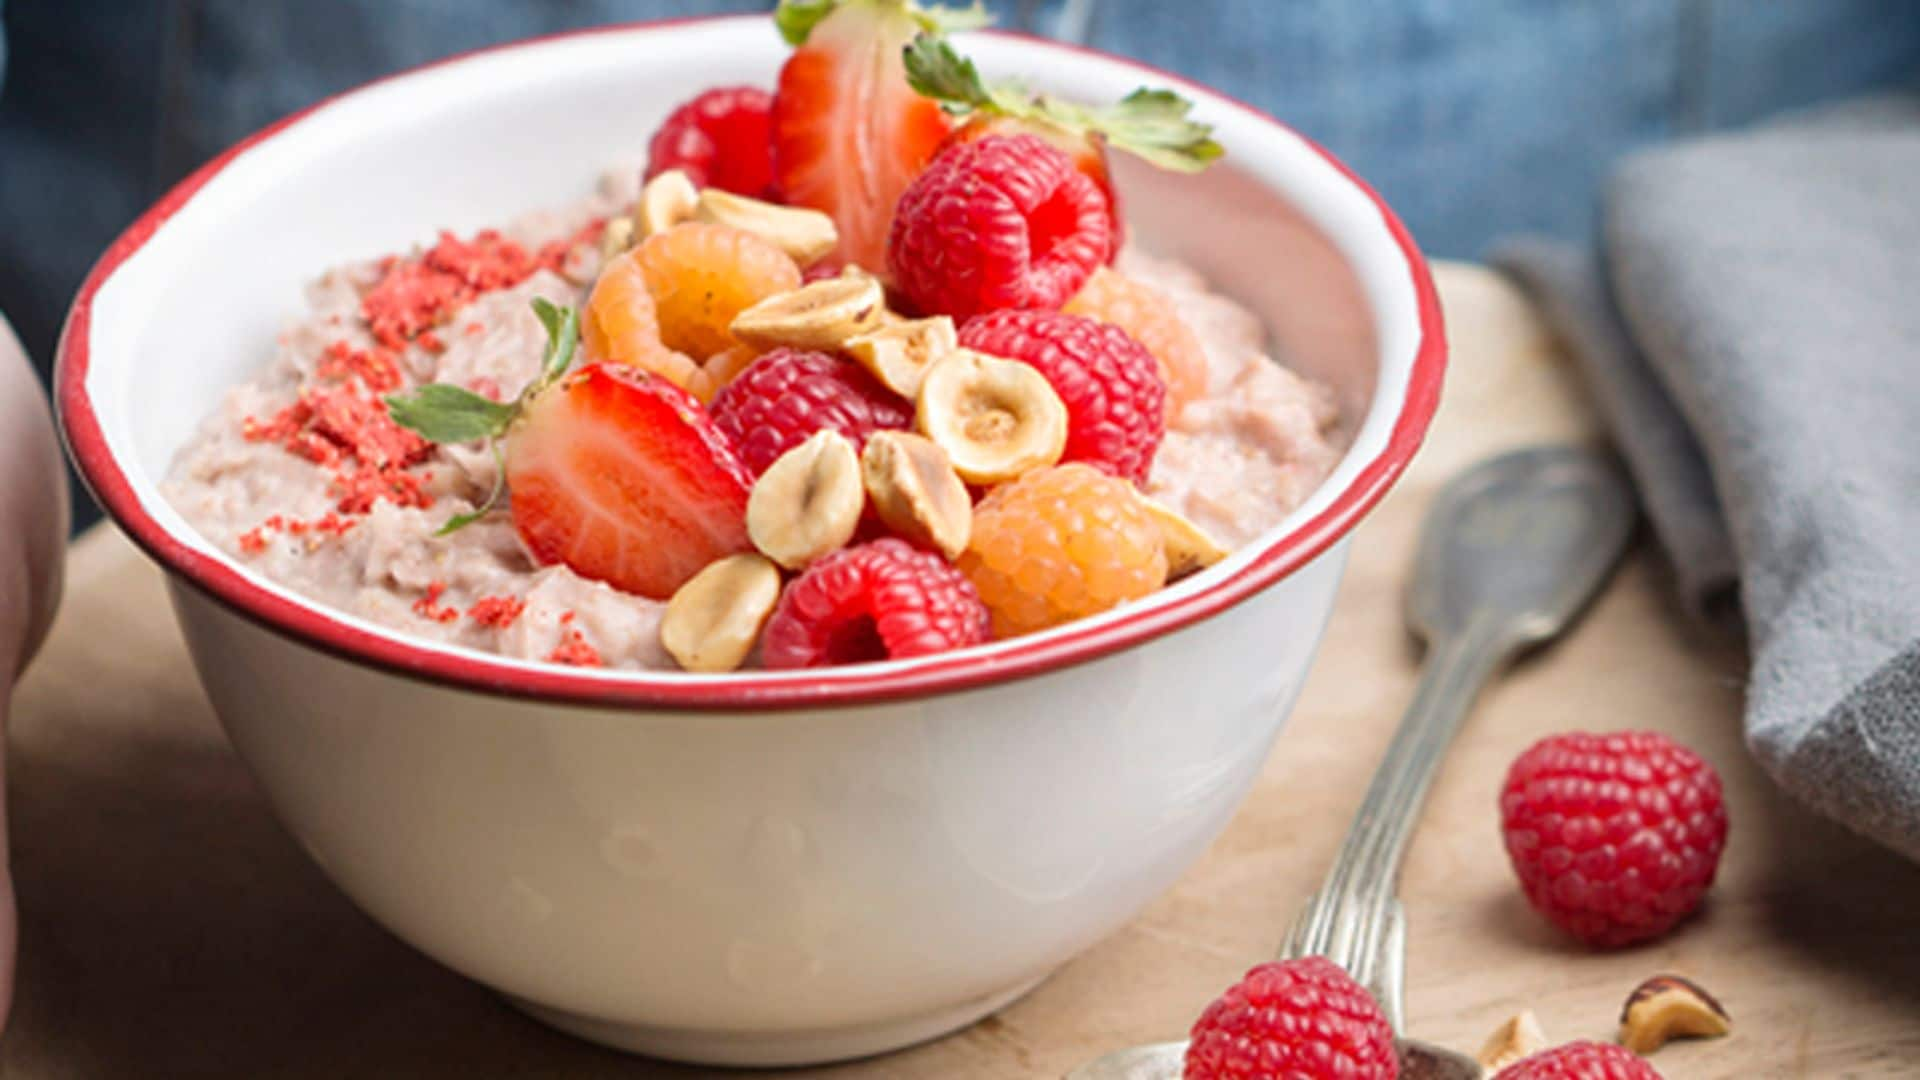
[[1615, 838]]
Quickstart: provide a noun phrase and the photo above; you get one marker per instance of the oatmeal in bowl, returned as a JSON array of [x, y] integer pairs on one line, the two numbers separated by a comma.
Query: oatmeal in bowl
[[733, 624], [633, 370]]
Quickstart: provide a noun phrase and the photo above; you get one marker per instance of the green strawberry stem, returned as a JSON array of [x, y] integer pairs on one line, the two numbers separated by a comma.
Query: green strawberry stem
[[797, 18], [1148, 123], [445, 413]]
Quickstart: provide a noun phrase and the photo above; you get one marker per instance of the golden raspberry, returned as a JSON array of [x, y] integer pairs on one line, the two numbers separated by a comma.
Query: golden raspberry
[[1147, 316], [701, 275], [1059, 544], [621, 325]]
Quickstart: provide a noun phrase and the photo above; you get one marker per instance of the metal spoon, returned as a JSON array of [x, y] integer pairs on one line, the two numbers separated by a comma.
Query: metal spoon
[[1511, 553]]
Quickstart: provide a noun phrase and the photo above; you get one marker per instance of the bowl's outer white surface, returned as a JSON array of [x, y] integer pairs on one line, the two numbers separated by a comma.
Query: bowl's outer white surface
[[741, 888], [766, 888]]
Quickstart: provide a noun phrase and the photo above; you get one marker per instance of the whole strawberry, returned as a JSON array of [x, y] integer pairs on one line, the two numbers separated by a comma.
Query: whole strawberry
[[1110, 384], [1299, 1019], [999, 222], [1616, 837], [1580, 1061]]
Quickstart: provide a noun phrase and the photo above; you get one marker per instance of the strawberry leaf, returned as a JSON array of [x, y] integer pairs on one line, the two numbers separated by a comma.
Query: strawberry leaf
[[1150, 123], [445, 413], [796, 19], [563, 339], [460, 521]]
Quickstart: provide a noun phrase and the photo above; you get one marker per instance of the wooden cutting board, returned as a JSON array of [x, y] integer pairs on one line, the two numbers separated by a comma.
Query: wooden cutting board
[[169, 927]]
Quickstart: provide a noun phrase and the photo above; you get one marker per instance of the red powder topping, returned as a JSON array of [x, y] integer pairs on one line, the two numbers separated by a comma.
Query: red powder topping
[[498, 612], [374, 367], [429, 606], [254, 540], [416, 295], [486, 386], [432, 342], [350, 433], [573, 648], [475, 329]]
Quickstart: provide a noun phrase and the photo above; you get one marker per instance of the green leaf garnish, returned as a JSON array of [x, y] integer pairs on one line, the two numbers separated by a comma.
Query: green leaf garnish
[[460, 521], [796, 19], [563, 337], [1149, 123], [445, 413]]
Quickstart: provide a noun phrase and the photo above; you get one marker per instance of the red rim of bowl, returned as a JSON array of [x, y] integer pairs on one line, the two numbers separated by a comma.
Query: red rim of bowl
[[314, 625]]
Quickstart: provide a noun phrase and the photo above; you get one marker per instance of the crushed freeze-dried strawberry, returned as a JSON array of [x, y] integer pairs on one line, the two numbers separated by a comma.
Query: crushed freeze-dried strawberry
[[486, 386], [360, 486], [255, 540], [573, 648], [432, 342], [375, 367], [498, 612], [428, 606]]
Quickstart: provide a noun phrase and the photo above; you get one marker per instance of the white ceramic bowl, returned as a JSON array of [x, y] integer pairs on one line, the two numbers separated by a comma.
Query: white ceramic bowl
[[765, 868]]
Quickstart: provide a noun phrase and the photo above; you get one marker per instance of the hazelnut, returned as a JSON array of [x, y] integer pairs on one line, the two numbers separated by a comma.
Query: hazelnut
[[808, 502], [914, 489], [1520, 1037], [714, 619], [1670, 1007], [995, 418], [805, 235], [1189, 548], [667, 200], [821, 315], [616, 238], [899, 353]]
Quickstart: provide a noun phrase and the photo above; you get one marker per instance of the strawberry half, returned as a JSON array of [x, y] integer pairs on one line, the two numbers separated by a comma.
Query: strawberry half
[[623, 477], [849, 133]]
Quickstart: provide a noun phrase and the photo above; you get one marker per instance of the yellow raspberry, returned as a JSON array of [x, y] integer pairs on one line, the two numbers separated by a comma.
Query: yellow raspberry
[[702, 275], [1148, 317], [1059, 544]]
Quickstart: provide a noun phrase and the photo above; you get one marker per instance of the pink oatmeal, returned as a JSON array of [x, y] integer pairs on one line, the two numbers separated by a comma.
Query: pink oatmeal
[[301, 476]]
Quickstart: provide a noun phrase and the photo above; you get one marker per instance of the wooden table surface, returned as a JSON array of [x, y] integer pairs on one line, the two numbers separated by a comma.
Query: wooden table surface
[[169, 927]]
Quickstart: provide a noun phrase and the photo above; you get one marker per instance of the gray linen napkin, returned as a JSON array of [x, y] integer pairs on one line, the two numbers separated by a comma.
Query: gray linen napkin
[[1751, 332]]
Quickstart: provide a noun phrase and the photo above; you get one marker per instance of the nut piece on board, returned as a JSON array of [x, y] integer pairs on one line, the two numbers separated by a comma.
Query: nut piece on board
[[912, 486], [713, 620], [808, 502], [1670, 1007], [1519, 1037]]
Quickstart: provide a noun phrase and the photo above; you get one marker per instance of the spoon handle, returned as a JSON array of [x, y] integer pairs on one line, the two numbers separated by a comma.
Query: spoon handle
[[1355, 919]]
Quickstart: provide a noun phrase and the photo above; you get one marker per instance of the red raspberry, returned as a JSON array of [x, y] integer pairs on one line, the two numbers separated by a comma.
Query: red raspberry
[[884, 600], [1111, 385], [1000, 222], [1580, 1061], [723, 139], [1615, 837], [1298, 1018], [788, 394]]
